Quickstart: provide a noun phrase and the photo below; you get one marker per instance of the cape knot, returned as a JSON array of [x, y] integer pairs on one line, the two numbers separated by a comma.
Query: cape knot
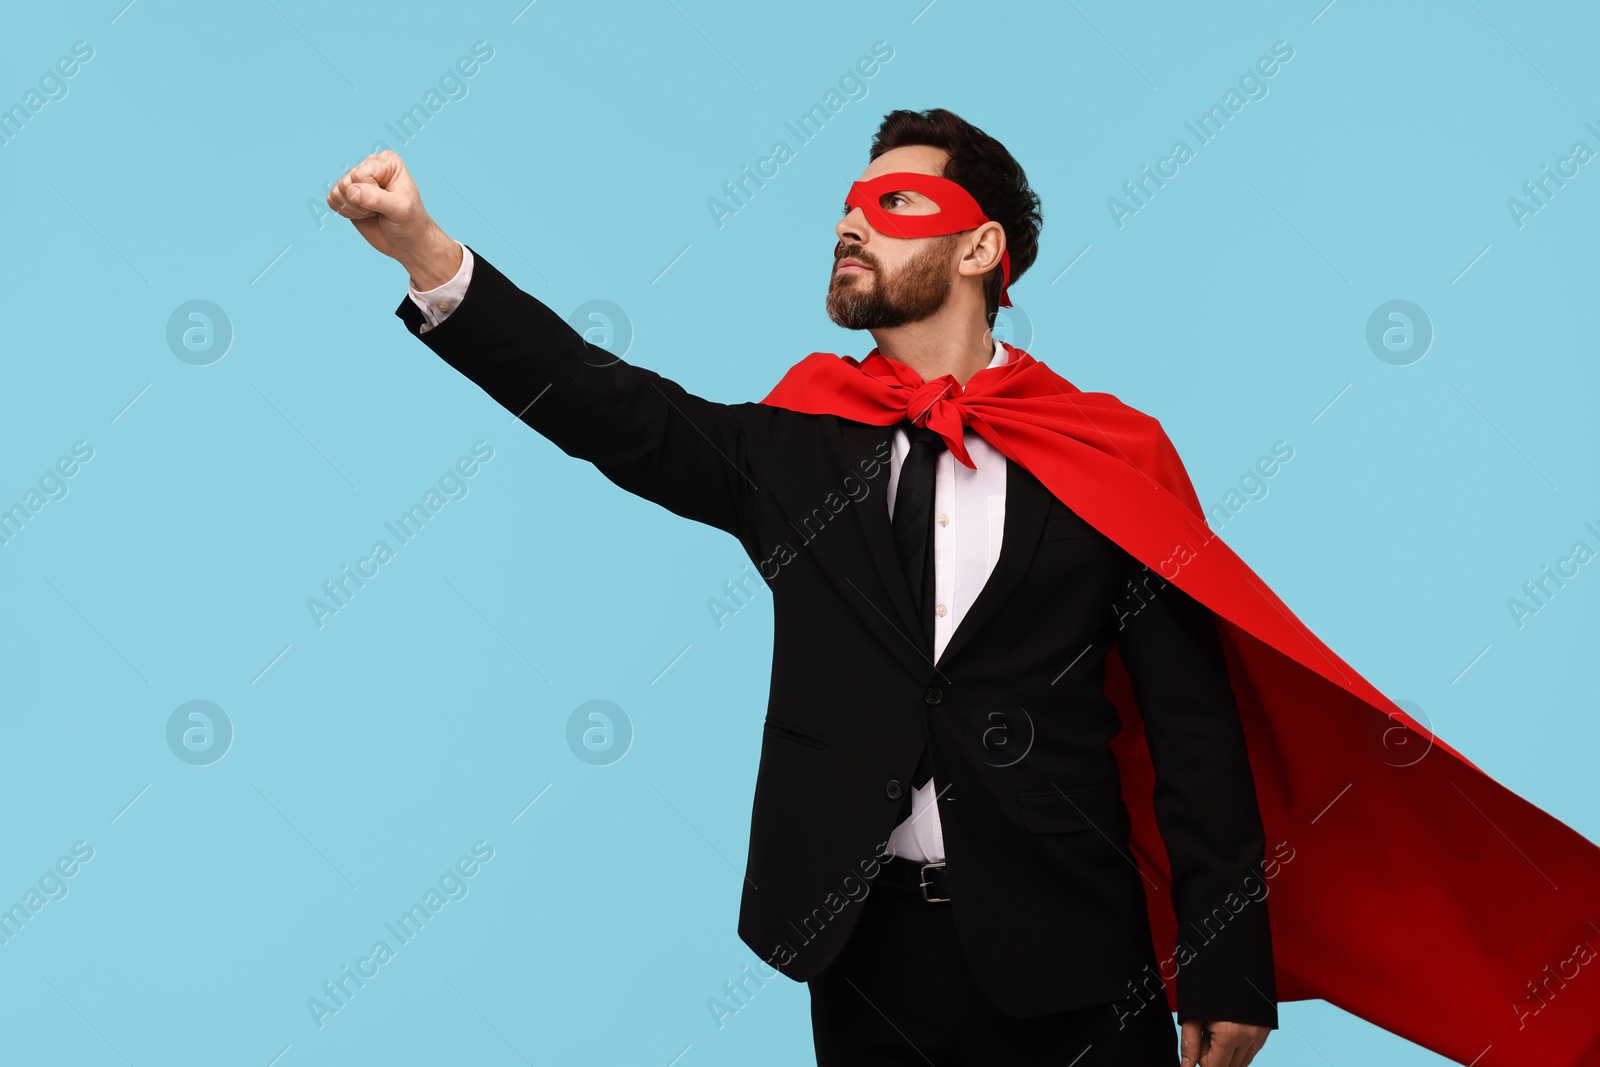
[[940, 406], [936, 396]]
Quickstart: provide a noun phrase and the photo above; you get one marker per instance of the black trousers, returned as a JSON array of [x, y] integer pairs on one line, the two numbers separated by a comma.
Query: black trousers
[[901, 993]]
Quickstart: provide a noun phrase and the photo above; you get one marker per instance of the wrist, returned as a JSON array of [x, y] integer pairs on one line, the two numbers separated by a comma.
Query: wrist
[[434, 261]]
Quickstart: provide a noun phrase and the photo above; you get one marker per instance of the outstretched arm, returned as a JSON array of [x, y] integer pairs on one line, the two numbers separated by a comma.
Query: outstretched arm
[[647, 434]]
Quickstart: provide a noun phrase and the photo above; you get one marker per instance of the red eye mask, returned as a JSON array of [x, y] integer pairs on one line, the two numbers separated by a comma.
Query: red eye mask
[[958, 212]]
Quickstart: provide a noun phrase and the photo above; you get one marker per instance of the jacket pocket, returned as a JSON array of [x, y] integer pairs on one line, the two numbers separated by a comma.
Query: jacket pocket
[[1053, 811], [792, 733], [1064, 524]]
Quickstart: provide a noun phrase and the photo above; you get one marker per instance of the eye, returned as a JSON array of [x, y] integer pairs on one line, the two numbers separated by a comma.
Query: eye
[[886, 201]]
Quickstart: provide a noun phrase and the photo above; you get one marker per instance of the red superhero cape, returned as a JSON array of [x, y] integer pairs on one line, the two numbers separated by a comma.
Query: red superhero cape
[[1418, 893]]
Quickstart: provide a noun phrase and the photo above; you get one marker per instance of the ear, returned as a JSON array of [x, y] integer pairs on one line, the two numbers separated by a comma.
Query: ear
[[983, 249]]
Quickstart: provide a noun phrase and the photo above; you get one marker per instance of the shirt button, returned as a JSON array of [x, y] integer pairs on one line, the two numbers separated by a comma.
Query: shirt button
[[941, 611], [442, 306], [933, 695], [944, 520], [892, 789]]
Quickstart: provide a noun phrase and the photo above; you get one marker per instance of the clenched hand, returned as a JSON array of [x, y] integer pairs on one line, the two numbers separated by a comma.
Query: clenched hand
[[383, 203]]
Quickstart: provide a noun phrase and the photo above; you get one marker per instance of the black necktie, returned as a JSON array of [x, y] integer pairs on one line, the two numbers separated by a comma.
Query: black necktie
[[913, 537]]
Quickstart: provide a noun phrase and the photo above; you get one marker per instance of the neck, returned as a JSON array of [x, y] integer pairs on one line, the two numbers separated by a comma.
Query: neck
[[957, 344]]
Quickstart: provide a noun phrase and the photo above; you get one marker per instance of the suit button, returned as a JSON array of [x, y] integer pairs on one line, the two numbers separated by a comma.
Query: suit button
[[933, 695], [892, 789]]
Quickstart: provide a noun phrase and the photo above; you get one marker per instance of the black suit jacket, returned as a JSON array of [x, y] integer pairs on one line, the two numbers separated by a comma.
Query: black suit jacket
[[1048, 902]]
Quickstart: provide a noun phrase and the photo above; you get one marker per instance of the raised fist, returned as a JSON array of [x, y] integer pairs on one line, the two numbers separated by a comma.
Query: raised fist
[[383, 203]]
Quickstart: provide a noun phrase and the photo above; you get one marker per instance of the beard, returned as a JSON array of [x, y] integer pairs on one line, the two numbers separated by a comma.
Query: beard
[[872, 301]]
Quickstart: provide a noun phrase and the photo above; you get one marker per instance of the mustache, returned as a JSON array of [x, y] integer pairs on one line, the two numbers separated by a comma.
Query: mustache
[[842, 251]]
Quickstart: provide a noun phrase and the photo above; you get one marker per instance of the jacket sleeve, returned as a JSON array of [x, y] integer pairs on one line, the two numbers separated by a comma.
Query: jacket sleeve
[[1205, 802], [694, 457]]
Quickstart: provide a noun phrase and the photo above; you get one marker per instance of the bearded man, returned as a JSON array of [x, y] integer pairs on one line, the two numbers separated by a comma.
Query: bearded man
[[1029, 719]]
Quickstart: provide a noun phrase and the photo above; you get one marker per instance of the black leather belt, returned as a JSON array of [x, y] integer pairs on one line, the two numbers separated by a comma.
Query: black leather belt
[[930, 881]]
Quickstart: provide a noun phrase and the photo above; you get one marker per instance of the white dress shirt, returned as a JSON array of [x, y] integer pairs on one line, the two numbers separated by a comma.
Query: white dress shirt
[[969, 508], [436, 304]]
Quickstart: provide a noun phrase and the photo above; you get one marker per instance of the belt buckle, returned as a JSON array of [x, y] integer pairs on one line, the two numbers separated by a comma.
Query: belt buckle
[[925, 883]]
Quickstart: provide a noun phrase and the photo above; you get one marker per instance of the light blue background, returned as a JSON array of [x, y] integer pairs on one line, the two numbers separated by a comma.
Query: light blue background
[[371, 753]]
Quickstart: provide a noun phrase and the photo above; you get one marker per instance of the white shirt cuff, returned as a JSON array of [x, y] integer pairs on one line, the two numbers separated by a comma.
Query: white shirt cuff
[[437, 304]]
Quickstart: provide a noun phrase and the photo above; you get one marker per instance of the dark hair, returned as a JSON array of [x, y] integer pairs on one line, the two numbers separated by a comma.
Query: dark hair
[[982, 166]]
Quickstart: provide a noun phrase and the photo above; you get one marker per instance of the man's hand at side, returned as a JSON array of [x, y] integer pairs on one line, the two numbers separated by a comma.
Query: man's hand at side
[[383, 203], [1220, 1044]]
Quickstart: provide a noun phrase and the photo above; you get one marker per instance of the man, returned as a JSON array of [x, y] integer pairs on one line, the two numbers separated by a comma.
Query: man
[[938, 727]]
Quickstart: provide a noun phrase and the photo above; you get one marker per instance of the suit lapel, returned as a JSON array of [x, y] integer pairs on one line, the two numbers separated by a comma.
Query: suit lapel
[[1027, 504], [890, 596]]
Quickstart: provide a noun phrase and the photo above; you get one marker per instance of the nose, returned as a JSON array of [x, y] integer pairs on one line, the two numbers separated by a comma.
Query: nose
[[853, 227]]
